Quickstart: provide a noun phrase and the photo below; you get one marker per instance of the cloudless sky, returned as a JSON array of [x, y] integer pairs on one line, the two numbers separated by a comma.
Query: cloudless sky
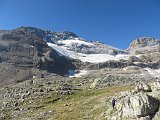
[[114, 22]]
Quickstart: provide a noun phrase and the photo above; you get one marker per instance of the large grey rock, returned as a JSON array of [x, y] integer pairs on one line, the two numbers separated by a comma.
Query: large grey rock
[[141, 86], [137, 106], [155, 89]]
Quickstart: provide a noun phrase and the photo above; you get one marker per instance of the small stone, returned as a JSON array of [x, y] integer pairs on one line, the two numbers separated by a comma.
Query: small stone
[[65, 105], [16, 104]]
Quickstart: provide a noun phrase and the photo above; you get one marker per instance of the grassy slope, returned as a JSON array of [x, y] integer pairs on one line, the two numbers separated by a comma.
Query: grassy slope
[[85, 104]]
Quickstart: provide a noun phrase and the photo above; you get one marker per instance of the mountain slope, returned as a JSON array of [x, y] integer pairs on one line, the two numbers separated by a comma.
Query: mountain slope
[[72, 46], [23, 53], [72, 41]]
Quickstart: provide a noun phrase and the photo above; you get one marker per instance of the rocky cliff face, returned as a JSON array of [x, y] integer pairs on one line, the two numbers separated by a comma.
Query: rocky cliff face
[[144, 41], [147, 51], [144, 45], [21, 50]]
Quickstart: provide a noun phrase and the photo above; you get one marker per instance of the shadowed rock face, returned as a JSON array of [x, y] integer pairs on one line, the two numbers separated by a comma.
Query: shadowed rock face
[[21, 48], [22, 51]]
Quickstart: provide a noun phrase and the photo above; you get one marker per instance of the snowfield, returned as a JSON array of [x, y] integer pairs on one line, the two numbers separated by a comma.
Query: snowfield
[[76, 41], [92, 58]]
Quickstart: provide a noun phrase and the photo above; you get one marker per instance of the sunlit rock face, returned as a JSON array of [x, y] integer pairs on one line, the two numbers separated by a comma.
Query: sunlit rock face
[[136, 106], [143, 45]]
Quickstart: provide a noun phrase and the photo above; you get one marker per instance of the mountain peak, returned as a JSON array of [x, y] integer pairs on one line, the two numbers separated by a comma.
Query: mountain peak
[[47, 35], [67, 33], [144, 41]]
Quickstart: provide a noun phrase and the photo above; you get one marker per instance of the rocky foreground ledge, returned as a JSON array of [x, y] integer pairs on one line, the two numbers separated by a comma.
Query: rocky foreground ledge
[[142, 103]]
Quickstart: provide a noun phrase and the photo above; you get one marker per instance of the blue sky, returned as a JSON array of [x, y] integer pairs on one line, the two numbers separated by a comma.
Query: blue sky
[[114, 22]]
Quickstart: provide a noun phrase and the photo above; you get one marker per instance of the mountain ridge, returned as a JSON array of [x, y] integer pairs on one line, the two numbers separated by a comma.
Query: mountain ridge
[[63, 35], [65, 51]]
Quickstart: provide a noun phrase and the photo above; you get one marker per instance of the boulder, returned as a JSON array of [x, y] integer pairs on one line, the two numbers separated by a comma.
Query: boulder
[[137, 106], [141, 86], [155, 89]]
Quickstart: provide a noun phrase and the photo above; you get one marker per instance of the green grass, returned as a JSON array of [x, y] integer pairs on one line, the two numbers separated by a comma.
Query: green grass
[[85, 104], [82, 103]]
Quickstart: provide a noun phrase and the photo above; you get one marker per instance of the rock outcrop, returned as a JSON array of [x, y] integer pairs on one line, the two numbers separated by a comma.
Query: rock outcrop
[[147, 52], [144, 45], [144, 41], [137, 106], [156, 85], [141, 86], [140, 104], [108, 64], [109, 80]]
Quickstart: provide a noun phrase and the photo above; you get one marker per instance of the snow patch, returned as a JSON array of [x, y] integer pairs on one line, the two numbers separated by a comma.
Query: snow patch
[[96, 58], [73, 73], [92, 58], [75, 41]]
